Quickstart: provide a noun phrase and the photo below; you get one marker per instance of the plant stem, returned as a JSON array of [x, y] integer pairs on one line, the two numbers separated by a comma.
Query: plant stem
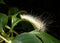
[[10, 28], [15, 32], [3, 38]]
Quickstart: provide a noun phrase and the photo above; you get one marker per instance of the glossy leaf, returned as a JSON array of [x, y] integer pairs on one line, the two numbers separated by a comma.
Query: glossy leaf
[[3, 20], [13, 11], [46, 38], [26, 38]]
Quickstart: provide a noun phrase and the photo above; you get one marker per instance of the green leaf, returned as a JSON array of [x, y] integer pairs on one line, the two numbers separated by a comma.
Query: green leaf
[[2, 2], [46, 38], [13, 11], [26, 38], [3, 20]]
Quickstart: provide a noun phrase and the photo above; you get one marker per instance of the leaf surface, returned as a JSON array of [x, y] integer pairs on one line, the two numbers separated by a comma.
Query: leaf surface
[[46, 38], [3, 20], [26, 38]]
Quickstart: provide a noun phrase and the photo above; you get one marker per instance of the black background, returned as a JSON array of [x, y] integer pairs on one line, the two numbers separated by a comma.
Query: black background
[[38, 7]]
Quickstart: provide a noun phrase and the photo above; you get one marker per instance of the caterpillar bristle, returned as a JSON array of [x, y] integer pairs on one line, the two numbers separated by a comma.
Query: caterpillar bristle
[[36, 22]]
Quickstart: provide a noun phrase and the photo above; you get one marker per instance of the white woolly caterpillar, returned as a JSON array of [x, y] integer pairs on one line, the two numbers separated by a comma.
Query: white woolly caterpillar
[[36, 22]]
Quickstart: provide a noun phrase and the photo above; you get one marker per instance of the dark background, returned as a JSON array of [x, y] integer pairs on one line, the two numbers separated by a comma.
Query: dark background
[[38, 7]]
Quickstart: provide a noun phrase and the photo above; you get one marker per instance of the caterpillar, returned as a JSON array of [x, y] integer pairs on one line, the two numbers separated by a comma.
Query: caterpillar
[[44, 24], [35, 21]]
